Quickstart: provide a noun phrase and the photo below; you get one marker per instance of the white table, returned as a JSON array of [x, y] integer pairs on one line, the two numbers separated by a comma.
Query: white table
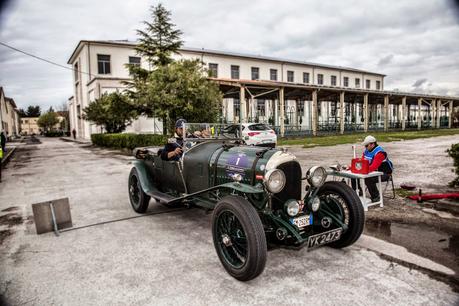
[[361, 177]]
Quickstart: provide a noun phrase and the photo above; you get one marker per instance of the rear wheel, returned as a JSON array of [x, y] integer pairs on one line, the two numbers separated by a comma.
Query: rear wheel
[[239, 238], [139, 199], [344, 203]]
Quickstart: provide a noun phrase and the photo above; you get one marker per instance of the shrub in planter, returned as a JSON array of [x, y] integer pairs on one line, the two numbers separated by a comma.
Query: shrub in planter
[[128, 141], [454, 153]]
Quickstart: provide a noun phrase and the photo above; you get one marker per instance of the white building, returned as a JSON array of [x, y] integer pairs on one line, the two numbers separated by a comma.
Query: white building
[[100, 67], [9, 117], [284, 93]]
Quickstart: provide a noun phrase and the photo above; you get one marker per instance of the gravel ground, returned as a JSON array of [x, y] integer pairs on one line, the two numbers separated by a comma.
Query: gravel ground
[[170, 259]]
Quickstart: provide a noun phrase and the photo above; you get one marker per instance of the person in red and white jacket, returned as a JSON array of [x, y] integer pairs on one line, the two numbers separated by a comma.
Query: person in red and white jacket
[[378, 160]]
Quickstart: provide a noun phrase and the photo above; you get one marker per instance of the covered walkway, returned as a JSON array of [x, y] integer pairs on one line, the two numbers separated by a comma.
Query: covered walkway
[[301, 109]]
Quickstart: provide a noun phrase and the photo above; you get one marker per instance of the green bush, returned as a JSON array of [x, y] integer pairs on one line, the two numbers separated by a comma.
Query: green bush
[[454, 153], [127, 141]]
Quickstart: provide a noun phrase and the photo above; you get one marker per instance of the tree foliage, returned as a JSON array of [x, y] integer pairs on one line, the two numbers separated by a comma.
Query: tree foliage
[[159, 40], [32, 111], [171, 89], [181, 90], [112, 111], [48, 120]]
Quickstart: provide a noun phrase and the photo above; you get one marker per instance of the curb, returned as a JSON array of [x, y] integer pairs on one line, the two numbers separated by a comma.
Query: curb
[[68, 139], [8, 155]]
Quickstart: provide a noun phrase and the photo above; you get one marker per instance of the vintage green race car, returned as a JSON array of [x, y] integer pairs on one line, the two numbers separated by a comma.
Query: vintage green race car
[[256, 195]]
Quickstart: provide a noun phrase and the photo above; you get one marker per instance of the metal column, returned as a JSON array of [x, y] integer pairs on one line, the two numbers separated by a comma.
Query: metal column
[[341, 112], [450, 114], [365, 113], [386, 113], [242, 106], [403, 113], [282, 111], [315, 113], [419, 113]]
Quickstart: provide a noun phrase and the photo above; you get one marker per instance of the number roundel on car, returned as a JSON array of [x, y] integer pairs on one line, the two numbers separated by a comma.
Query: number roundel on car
[[236, 164]]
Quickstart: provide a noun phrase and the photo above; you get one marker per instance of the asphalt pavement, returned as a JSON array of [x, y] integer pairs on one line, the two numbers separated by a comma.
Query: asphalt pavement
[[169, 258]]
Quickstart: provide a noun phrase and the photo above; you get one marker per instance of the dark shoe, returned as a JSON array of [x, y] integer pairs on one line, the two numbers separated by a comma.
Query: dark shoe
[[374, 200]]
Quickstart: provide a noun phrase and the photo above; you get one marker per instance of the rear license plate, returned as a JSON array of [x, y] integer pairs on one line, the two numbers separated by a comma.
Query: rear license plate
[[302, 221], [324, 238], [267, 141]]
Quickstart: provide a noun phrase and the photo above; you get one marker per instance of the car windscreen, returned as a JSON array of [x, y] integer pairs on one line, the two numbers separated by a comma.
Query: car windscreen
[[259, 127]]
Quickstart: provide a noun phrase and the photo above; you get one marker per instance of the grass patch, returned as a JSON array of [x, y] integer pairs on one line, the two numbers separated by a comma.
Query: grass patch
[[321, 141], [405, 193]]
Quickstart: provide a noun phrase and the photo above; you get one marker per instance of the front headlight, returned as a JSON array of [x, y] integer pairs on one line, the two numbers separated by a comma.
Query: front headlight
[[292, 208], [274, 180], [316, 176]]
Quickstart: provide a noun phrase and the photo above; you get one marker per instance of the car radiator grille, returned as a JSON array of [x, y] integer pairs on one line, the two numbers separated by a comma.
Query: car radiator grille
[[292, 189]]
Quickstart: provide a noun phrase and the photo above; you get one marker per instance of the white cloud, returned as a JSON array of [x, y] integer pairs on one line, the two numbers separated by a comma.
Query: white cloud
[[407, 40]]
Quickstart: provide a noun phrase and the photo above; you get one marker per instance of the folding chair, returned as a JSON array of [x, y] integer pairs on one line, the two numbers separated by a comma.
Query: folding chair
[[389, 183]]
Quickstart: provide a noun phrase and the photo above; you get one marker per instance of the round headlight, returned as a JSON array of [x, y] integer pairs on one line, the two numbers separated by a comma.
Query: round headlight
[[316, 176], [315, 204], [292, 208], [274, 180]]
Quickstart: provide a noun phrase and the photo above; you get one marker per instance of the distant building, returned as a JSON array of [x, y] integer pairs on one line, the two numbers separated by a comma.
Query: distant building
[[9, 116], [30, 126], [288, 94]]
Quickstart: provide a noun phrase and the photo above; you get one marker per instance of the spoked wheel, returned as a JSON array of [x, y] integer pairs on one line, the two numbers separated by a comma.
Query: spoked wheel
[[344, 203], [139, 199], [239, 238]]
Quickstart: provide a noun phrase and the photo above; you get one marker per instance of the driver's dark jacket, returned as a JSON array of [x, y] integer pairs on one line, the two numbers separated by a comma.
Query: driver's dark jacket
[[169, 147]]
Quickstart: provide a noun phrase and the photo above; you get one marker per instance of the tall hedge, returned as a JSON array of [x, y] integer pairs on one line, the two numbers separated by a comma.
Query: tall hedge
[[454, 153], [127, 141]]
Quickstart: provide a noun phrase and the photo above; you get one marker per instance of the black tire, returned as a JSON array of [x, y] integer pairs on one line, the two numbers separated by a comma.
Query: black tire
[[139, 199], [348, 208], [236, 219]]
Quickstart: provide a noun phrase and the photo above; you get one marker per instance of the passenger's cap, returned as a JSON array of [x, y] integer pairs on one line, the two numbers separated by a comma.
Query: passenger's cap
[[369, 139]]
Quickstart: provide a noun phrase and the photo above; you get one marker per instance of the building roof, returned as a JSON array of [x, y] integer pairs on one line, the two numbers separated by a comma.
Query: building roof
[[11, 101], [131, 44]]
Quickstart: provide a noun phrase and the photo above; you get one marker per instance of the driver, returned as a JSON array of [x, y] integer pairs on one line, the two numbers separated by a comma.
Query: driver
[[174, 148]]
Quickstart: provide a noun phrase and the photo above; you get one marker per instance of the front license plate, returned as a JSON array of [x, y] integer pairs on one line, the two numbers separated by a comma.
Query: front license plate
[[324, 238], [302, 221]]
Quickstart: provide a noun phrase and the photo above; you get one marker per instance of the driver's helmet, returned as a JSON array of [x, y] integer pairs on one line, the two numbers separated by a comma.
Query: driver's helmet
[[180, 123]]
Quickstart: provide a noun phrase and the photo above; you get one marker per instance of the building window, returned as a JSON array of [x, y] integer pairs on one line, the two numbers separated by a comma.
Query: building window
[[333, 107], [357, 83], [255, 73], [134, 60], [333, 80], [320, 79], [75, 71], [346, 82], [378, 85], [368, 84], [234, 72], [103, 63], [306, 77], [213, 70], [273, 74], [290, 76]]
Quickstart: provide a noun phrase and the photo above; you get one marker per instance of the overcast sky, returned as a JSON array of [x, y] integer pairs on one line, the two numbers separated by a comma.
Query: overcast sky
[[414, 42]]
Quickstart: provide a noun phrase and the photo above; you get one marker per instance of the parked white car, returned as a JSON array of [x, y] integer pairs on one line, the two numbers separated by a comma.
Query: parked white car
[[257, 134]]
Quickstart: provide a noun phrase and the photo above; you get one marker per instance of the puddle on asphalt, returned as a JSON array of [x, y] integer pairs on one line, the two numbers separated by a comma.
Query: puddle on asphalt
[[423, 240]]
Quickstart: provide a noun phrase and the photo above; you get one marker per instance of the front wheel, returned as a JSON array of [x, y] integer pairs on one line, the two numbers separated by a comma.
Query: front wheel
[[239, 238], [139, 199], [343, 203]]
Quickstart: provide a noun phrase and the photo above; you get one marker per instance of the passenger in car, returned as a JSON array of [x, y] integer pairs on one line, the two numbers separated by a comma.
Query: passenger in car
[[203, 132], [173, 149]]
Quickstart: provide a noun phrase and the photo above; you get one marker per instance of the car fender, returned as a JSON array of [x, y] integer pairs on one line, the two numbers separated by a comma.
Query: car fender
[[145, 178]]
